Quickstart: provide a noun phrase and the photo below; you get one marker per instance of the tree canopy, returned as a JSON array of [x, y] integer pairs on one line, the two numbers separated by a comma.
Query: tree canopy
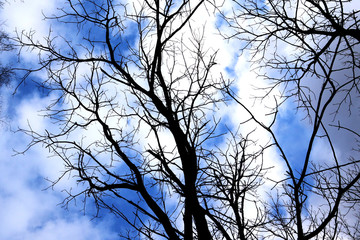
[[138, 102]]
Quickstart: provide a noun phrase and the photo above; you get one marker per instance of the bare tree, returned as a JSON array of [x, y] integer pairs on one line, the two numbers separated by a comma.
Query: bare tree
[[310, 51], [136, 121], [5, 45], [5, 71], [137, 124]]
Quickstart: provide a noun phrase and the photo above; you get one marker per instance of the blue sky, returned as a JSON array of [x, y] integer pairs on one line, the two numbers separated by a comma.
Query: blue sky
[[28, 211]]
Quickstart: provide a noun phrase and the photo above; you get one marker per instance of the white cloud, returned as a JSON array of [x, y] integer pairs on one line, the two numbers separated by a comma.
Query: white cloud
[[29, 212], [27, 14], [80, 228]]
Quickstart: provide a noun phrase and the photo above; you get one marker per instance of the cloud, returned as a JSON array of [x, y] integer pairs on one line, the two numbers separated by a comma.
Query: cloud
[[27, 14], [29, 212], [80, 228]]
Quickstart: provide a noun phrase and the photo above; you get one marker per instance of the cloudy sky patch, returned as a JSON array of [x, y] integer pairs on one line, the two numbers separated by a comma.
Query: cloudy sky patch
[[31, 210]]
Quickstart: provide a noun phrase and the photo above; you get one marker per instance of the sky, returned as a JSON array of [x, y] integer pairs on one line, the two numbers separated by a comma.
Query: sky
[[30, 209]]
